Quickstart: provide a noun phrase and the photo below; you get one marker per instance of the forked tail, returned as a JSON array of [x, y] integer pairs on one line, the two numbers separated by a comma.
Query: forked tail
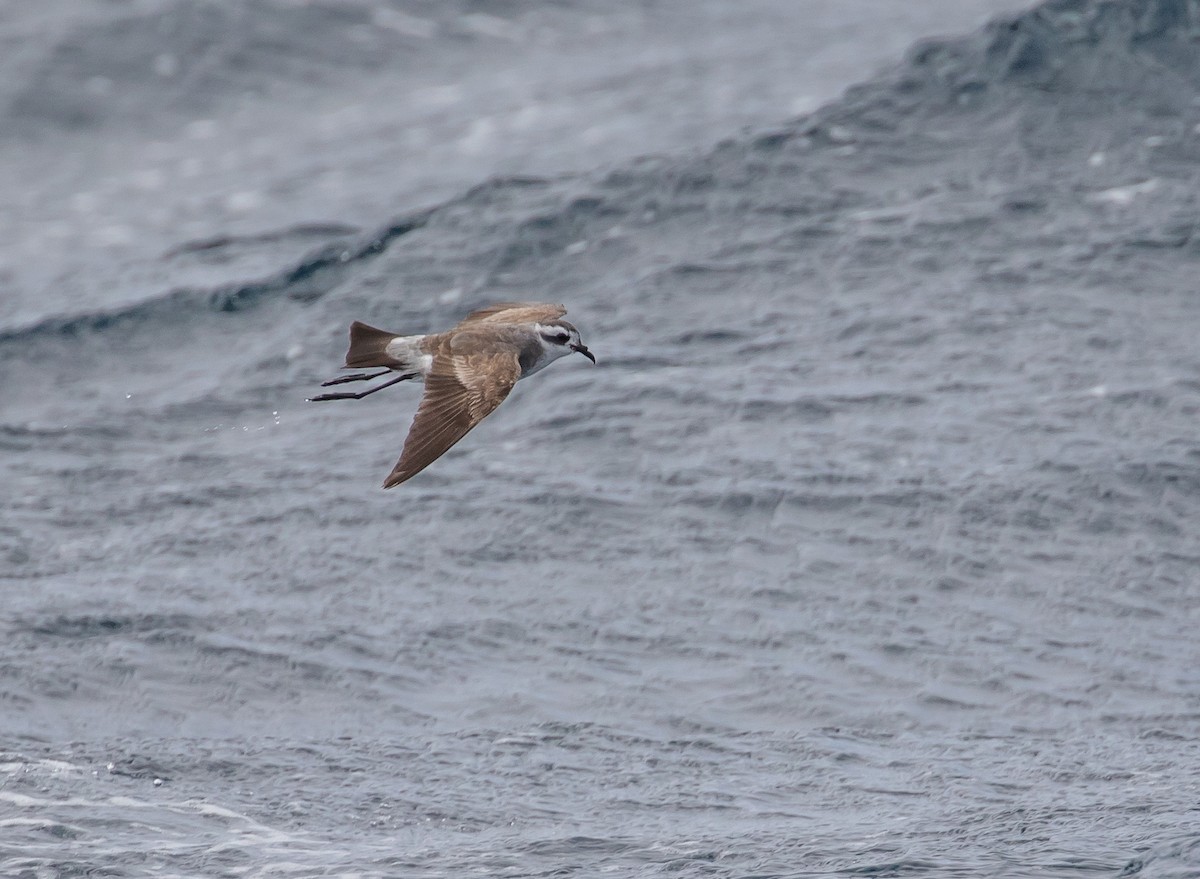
[[368, 347]]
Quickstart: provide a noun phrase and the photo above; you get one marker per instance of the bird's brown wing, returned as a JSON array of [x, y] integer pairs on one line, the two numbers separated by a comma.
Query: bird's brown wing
[[460, 391], [514, 313]]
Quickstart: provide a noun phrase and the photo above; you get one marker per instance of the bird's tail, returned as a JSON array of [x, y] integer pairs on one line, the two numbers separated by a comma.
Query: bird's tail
[[369, 347]]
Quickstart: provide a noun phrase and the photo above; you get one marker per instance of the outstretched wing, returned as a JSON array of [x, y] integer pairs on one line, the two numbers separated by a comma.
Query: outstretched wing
[[460, 391], [514, 313]]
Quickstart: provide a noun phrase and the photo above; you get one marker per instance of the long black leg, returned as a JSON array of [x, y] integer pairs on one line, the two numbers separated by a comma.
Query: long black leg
[[356, 377], [320, 398]]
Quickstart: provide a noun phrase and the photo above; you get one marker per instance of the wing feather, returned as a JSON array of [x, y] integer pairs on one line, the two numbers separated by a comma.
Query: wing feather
[[460, 391], [514, 313]]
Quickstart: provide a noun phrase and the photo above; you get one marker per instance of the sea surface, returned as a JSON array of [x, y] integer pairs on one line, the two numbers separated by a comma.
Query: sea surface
[[868, 548]]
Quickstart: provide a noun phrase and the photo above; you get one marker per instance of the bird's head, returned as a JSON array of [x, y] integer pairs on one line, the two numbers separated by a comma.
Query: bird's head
[[561, 338]]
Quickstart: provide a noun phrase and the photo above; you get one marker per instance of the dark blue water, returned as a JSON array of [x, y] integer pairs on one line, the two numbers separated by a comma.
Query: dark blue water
[[868, 547]]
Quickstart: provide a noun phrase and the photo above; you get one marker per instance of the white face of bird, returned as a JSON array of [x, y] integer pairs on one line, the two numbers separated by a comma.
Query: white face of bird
[[561, 339]]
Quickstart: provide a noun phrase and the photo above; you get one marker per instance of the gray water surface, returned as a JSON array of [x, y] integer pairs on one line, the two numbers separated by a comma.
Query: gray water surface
[[867, 548]]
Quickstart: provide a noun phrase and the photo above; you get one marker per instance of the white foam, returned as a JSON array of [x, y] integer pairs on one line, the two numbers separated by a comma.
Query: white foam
[[1124, 195]]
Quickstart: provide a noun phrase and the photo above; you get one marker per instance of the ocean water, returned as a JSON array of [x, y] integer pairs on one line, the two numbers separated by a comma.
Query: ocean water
[[867, 548]]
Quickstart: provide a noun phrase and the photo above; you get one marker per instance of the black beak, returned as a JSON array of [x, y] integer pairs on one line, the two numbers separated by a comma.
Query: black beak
[[582, 349]]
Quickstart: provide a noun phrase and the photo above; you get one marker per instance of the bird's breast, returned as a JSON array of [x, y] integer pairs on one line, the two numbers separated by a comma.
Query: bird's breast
[[531, 357]]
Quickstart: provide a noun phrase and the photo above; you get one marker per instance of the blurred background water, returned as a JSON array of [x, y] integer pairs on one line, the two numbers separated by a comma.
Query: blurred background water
[[868, 547]]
